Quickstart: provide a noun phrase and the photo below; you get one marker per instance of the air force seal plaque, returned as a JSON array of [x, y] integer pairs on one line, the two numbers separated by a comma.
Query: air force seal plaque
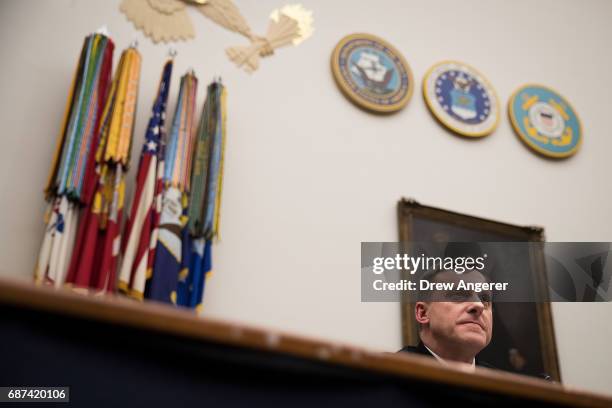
[[545, 121], [461, 99], [372, 73]]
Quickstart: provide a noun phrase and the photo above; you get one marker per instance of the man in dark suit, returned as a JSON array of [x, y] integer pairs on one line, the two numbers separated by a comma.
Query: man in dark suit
[[454, 325]]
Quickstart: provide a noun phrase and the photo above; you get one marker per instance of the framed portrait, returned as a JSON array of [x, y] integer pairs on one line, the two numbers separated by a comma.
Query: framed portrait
[[523, 334]]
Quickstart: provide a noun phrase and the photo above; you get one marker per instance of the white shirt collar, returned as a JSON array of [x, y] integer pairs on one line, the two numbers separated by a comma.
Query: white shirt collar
[[441, 360]]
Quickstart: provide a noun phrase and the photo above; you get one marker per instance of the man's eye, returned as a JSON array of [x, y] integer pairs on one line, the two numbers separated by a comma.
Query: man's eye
[[485, 297]]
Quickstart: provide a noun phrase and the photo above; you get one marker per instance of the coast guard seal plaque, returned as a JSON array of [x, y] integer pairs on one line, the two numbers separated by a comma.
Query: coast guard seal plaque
[[461, 98], [372, 73], [545, 121]]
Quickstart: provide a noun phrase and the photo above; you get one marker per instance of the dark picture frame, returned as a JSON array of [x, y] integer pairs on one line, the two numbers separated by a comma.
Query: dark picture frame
[[523, 333]]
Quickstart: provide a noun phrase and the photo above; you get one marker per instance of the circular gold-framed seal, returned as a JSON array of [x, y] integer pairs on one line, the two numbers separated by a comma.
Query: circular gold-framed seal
[[372, 73], [461, 98], [545, 121]]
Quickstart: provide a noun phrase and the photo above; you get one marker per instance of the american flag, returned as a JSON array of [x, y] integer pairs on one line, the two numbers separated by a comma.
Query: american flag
[[144, 214]]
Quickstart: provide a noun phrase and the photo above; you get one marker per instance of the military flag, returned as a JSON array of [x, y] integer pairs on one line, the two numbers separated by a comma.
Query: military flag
[[169, 259], [71, 178], [94, 259], [141, 229], [205, 197]]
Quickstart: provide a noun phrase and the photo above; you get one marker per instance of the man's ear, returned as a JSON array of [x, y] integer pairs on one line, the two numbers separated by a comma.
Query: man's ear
[[421, 314]]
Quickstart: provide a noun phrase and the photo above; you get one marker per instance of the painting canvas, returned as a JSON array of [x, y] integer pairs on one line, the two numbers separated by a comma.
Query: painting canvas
[[523, 334]]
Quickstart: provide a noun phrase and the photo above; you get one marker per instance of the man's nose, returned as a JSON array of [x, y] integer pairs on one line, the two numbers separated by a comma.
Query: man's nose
[[475, 308]]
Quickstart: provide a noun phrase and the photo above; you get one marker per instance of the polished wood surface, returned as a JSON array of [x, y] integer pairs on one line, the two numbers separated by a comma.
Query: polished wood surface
[[184, 323]]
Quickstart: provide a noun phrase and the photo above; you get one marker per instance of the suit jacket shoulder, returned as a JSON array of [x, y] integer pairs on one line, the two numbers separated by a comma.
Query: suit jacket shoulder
[[418, 349], [421, 349]]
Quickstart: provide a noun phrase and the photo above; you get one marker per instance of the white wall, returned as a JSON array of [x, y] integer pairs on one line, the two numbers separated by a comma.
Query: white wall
[[308, 176]]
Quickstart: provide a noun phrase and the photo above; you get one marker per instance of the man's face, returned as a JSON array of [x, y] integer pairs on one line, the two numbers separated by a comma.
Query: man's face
[[466, 320]]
